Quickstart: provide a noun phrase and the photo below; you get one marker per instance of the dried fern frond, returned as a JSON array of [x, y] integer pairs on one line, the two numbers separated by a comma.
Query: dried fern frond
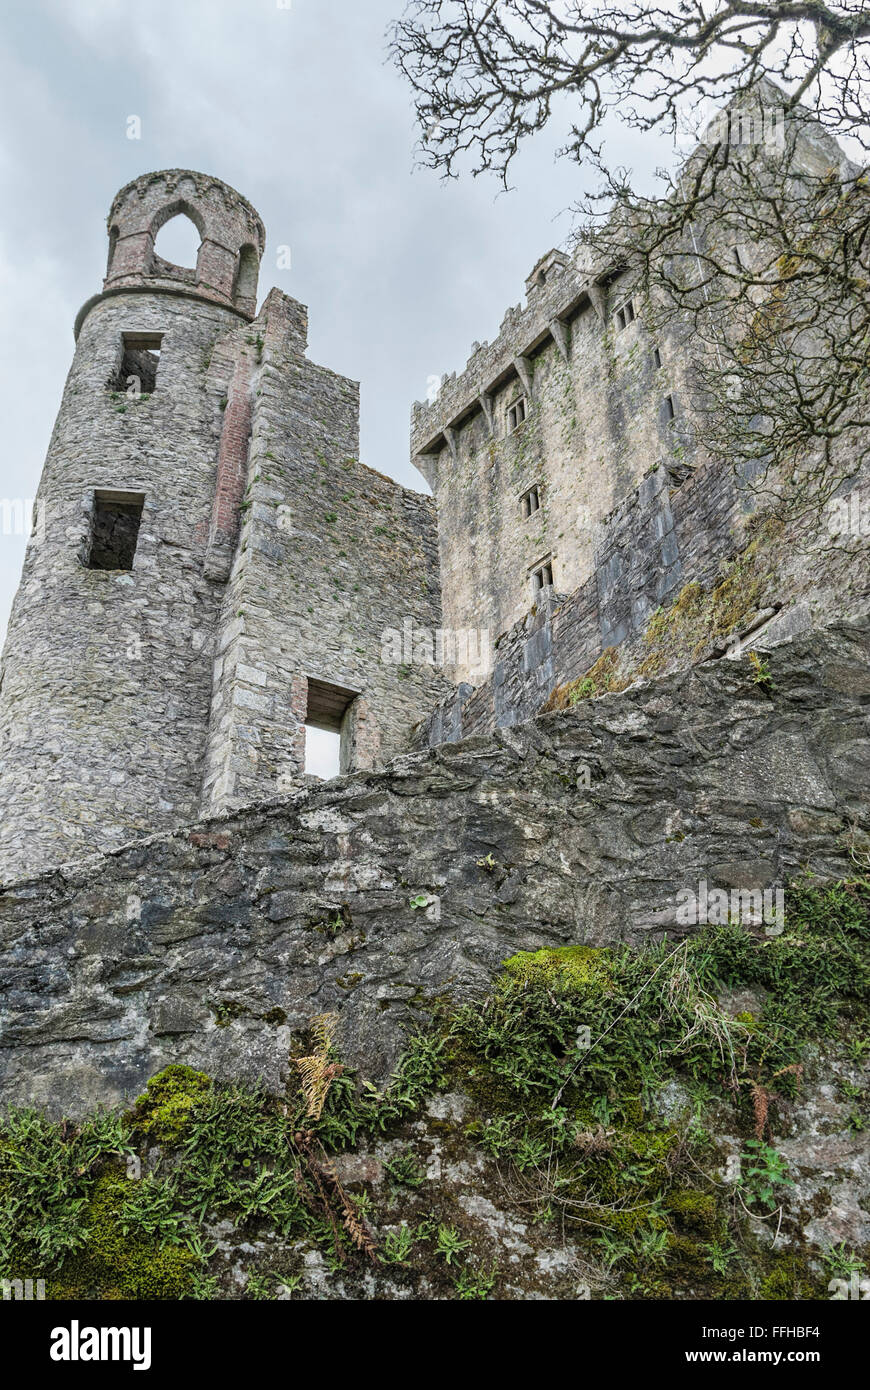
[[317, 1072], [324, 1028]]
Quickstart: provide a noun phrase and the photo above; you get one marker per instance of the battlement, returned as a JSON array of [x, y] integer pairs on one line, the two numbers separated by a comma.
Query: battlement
[[557, 289]]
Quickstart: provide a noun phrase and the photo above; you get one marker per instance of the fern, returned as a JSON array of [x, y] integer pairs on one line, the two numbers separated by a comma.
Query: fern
[[317, 1072]]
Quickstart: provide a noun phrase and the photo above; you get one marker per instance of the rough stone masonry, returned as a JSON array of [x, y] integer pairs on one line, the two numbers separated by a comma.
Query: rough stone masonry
[[267, 560], [372, 894], [212, 572]]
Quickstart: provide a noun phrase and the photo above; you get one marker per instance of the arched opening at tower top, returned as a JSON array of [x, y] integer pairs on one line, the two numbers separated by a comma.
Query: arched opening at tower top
[[178, 242]]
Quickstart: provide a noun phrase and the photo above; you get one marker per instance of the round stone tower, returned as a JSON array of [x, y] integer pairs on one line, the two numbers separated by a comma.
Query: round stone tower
[[106, 674]]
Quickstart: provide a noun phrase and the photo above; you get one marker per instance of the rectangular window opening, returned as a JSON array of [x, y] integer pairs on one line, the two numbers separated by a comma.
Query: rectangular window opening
[[327, 709], [516, 414], [668, 409], [625, 315], [530, 502], [115, 530], [542, 576], [656, 359], [140, 358], [322, 753]]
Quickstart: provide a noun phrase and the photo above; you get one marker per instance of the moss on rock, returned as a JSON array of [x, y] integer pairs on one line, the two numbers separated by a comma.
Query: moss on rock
[[565, 967], [117, 1261], [163, 1112]]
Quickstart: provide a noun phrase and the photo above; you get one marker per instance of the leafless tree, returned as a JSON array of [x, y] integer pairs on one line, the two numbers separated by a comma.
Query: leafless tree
[[756, 247]]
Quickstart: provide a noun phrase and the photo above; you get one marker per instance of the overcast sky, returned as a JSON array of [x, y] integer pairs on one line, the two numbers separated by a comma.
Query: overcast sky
[[297, 109]]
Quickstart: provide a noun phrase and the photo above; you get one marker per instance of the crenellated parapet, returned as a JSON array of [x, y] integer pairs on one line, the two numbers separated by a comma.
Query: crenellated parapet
[[557, 289]]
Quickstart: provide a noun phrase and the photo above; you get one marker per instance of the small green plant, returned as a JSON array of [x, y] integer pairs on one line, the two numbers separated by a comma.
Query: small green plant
[[449, 1244], [405, 1170], [614, 1248], [584, 691], [288, 1283], [259, 1286], [719, 1255], [397, 1246], [421, 900], [653, 1247], [761, 672], [841, 1261], [475, 1283], [762, 1171], [487, 863], [362, 1204], [203, 1288]]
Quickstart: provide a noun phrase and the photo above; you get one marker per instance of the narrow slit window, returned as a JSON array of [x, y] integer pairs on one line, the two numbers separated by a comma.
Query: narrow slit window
[[656, 359], [625, 315], [140, 359], [115, 530], [542, 576], [516, 414], [530, 502], [668, 409]]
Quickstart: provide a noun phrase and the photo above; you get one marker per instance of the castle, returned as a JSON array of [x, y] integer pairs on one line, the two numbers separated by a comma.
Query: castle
[[212, 570], [213, 573]]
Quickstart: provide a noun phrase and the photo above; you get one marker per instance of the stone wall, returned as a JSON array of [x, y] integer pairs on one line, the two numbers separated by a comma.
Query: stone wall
[[608, 399], [659, 538], [233, 238], [331, 554], [368, 895], [106, 674], [596, 425]]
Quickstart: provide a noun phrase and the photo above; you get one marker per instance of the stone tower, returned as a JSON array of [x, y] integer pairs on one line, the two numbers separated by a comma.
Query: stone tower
[[182, 612]]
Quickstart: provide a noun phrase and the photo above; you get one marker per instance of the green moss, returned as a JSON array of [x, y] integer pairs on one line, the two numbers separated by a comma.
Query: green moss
[[163, 1112], [576, 1125], [678, 634], [787, 1280], [117, 1262], [565, 967], [693, 1210], [227, 1011]]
